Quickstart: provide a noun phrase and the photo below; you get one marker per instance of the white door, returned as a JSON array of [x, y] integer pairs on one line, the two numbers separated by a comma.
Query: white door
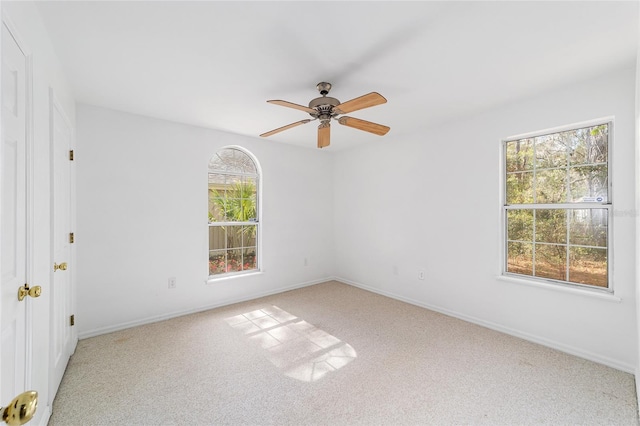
[[13, 214], [61, 341]]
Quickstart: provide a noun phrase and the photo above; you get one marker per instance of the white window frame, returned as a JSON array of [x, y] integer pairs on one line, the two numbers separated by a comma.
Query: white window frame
[[259, 182], [608, 205]]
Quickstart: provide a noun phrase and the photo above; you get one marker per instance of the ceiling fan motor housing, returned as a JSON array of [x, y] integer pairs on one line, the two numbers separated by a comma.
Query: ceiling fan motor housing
[[324, 105]]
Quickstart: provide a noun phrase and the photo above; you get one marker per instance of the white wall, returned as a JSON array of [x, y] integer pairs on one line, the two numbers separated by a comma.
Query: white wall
[[431, 201], [372, 216], [142, 203], [47, 74]]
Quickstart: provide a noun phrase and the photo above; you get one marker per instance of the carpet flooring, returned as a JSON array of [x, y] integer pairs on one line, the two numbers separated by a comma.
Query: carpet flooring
[[332, 354]]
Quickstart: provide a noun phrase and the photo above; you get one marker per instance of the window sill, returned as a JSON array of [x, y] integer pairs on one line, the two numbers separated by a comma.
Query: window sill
[[610, 297], [212, 279]]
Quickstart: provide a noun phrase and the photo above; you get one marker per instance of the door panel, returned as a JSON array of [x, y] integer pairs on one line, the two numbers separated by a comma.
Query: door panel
[[13, 213], [61, 343]]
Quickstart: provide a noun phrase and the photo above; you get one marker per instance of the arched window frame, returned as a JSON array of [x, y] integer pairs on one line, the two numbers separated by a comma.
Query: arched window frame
[[234, 265]]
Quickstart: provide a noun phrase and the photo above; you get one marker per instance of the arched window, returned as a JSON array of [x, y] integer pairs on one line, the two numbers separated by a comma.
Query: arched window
[[234, 181]]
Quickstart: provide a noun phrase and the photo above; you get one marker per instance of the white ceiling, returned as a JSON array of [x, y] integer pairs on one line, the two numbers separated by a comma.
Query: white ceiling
[[214, 64]]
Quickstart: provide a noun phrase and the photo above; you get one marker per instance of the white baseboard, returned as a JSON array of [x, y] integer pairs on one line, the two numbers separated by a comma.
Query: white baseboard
[[157, 318], [613, 363]]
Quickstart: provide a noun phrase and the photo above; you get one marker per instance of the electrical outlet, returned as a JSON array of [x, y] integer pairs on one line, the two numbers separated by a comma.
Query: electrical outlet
[[306, 261], [172, 282], [421, 274]]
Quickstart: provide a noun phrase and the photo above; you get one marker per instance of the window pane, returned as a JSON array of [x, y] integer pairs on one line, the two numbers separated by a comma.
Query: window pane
[[236, 161], [519, 188], [216, 197], [519, 155], [589, 183], [551, 261], [551, 186], [551, 151], [520, 258], [551, 226], [520, 225], [216, 180], [234, 236], [250, 183], [249, 209], [248, 206], [227, 159], [234, 260], [588, 266], [217, 238], [216, 163], [248, 166], [241, 202], [589, 145], [216, 207], [588, 227], [233, 210], [217, 262], [249, 259], [249, 236]]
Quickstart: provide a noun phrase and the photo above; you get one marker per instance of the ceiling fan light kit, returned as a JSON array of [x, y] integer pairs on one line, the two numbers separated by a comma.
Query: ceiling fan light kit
[[326, 108]]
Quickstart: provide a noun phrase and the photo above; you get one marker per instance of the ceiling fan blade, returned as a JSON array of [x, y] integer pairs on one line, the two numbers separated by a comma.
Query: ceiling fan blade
[[294, 106], [324, 135], [283, 128], [367, 126], [365, 101]]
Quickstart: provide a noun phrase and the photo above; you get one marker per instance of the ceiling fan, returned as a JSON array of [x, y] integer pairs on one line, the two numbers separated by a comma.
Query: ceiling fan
[[326, 108]]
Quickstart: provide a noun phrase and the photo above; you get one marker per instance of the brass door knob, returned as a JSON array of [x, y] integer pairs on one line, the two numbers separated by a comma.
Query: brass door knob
[[62, 266], [21, 409], [25, 291]]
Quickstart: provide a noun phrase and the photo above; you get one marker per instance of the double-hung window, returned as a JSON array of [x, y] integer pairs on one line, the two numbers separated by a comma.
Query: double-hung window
[[234, 223], [557, 206]]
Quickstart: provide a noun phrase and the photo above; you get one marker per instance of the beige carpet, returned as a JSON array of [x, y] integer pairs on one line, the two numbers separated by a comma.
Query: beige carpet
[[332, 354]]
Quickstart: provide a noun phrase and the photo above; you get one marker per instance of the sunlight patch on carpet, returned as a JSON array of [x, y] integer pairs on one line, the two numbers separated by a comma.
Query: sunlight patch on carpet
[[301, 350]]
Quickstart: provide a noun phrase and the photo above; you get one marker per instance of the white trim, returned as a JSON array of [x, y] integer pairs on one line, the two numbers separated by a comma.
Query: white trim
[[557, 129], [613, 363], [558, 206], [637, 209], [157, 318], [213, 279], [44, 420], [563, 287]]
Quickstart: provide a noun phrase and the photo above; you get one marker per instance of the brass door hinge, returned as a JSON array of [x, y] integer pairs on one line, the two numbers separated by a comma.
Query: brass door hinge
[[71, 238], [72, 320], [71, 155]]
